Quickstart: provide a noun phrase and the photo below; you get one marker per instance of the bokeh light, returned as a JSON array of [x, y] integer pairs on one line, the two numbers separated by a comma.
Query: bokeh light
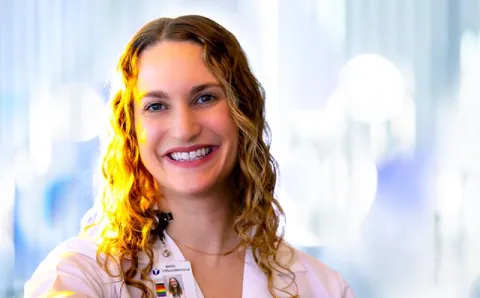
[[373, 87]]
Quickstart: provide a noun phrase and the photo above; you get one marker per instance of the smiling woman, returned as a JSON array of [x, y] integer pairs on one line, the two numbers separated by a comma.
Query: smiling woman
[[191, 137], [188, 182]]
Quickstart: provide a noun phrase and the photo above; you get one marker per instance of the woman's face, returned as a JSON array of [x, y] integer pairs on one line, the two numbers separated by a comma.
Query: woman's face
[[186, 135], [173, 282]]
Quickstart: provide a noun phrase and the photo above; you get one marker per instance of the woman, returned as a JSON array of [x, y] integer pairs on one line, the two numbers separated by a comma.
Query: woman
[[188, 181], [174, 288]]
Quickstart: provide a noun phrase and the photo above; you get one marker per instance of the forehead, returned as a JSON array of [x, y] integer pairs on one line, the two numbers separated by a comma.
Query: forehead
[[172, 66]]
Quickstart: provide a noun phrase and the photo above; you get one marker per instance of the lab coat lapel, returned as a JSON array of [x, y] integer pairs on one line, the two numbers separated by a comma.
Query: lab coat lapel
[[255, 282]]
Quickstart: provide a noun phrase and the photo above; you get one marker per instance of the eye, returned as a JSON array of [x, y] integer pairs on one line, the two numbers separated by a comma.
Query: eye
[[155, 107], [205, 98]]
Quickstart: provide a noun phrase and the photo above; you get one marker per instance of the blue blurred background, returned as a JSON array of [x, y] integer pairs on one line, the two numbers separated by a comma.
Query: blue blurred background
[[374, 107]]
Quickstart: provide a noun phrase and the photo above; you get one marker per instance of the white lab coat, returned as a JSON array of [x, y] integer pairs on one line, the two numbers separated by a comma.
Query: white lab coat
[[72, 267], [171, 296]]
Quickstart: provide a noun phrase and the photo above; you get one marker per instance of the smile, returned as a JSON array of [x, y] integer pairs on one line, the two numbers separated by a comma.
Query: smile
[[191, 155]]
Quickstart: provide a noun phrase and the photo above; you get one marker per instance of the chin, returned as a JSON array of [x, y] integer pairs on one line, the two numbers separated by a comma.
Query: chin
[[199, 184], [191, 191]]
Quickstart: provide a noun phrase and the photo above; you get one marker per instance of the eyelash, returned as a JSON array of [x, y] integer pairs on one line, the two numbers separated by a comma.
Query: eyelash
[[211, 98], [209, 95], [149, 106]]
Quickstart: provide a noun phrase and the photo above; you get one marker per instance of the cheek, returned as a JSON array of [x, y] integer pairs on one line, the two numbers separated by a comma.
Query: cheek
[[144, 139], [233, 130], [150, 133], [227, 128], [147, 130], [141, 133], [223, 122]]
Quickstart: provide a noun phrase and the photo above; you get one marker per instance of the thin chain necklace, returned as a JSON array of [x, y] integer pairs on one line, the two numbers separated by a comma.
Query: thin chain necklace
[[223, 254], [163, 220]]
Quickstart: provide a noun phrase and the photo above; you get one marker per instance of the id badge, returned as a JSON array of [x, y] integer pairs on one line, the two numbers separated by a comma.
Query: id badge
[[174, 280]]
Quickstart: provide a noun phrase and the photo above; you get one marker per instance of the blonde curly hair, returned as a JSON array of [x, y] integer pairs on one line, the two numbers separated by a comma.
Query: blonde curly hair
[[129, 192]]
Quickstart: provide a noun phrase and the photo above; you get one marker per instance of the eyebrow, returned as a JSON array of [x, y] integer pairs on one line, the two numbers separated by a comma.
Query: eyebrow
[[194, 90]]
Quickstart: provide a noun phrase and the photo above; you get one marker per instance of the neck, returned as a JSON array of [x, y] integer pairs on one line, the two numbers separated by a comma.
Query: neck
[[204, 223]]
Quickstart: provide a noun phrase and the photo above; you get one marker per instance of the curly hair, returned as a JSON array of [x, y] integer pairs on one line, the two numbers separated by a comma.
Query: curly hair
[[129, 192]]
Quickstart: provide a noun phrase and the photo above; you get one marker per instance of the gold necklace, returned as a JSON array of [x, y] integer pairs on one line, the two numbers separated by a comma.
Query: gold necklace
[[207, 253]]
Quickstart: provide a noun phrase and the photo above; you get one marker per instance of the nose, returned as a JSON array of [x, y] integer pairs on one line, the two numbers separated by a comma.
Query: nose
[[184, 125]]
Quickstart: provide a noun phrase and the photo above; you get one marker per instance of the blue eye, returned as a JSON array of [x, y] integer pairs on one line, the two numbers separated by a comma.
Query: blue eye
[[155, 107], [205, 98]]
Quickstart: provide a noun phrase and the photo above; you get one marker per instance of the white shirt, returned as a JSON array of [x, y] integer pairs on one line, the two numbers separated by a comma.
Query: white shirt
[[72, 267]]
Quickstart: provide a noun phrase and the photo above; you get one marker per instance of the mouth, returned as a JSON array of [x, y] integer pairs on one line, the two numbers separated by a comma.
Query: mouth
[[191, 155]]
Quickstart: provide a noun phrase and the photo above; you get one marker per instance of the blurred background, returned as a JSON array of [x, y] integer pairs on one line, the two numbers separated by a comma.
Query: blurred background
[[374, 107]]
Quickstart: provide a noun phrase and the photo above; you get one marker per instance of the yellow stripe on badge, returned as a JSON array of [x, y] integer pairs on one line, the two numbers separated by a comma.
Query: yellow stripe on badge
[[58, 294]]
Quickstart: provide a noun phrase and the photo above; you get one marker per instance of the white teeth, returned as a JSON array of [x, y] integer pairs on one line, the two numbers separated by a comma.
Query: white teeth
[[192, 155]]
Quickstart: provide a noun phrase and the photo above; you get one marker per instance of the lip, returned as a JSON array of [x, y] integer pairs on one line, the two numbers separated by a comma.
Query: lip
[[194, 163], [187, 149]]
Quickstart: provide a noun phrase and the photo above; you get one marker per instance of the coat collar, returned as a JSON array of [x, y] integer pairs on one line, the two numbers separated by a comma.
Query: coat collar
[[254, 280]]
